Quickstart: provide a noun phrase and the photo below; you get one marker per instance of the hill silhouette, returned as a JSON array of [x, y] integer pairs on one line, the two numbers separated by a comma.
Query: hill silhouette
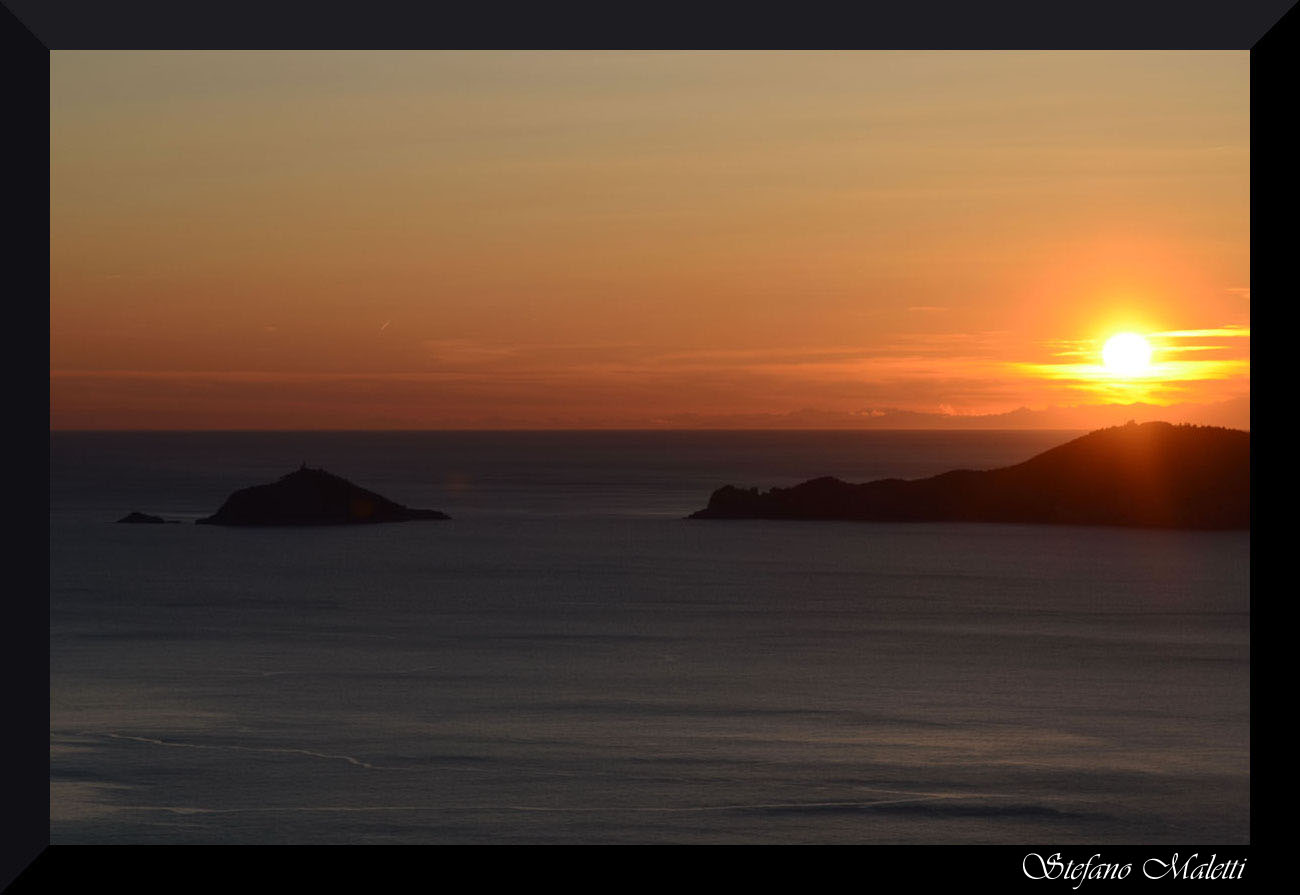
[[1149, 475], [312, 497]]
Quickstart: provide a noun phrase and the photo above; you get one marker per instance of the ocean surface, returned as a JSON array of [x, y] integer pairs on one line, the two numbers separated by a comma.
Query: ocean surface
[[568, 660]]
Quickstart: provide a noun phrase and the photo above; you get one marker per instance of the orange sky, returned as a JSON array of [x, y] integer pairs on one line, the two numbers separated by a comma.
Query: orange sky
[[480, 240]]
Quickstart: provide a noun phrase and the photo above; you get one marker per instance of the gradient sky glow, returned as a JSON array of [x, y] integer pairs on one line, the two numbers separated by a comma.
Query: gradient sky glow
[[543, 239]]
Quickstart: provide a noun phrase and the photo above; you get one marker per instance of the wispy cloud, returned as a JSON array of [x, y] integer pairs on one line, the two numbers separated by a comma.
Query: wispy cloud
[[464, 352], [1222, 332], [1172, 370]]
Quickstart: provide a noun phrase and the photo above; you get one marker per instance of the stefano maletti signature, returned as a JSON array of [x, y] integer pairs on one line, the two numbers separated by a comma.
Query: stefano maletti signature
[[1036, 866]]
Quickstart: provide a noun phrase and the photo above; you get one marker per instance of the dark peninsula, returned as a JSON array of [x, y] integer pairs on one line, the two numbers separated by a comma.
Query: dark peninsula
[[312, 497], [1154, 475]]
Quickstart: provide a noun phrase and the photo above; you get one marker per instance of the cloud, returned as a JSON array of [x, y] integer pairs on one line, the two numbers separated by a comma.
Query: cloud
[[1236, 331], [464, 352]]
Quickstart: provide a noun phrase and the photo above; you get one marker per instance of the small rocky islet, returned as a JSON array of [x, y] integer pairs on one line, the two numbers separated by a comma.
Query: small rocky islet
[[305, 497], [137, 518], [309, 496]]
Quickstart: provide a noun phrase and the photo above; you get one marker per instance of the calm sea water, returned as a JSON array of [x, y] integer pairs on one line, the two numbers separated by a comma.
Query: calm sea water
[[569, 661]]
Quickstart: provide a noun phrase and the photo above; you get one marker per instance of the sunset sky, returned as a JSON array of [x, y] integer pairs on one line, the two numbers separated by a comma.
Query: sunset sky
[[424, 240]]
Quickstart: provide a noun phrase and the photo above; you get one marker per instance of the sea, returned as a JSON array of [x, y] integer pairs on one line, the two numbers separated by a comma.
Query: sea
[[569, 660]]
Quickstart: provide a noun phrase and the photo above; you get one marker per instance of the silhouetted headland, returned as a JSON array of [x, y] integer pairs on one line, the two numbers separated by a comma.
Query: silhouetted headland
[[1151, 475], [142, 519], [312, 497]]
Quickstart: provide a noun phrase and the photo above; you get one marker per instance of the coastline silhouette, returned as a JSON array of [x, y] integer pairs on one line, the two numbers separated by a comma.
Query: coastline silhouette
[[1155, 475]]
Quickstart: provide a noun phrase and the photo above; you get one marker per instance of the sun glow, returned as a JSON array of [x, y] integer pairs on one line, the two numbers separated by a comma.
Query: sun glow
[[1127, 355]]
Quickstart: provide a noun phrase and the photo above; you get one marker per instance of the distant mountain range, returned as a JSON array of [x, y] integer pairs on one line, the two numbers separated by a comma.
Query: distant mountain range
[[1233, 414], [1151, 475]]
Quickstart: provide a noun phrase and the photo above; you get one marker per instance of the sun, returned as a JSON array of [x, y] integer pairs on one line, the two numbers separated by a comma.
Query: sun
[[1127, 355]]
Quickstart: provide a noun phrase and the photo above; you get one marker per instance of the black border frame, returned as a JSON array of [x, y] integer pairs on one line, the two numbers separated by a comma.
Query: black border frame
[[29, 29]]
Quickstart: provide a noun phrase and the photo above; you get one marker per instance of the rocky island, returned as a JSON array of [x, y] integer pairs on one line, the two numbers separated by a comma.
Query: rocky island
[[312, 497], [138, 518], [1155, 475]]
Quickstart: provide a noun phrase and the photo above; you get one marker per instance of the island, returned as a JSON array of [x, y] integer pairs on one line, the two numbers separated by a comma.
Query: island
[[312, 497], [137, 518], [1152, 475]]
